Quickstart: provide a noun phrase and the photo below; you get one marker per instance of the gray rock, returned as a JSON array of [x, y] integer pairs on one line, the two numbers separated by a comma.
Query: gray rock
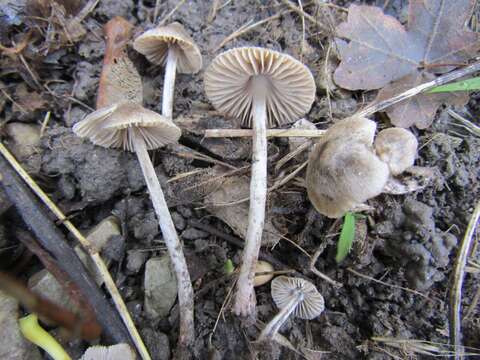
[[44, 284], [178, 221], [135, 260], [157, 344], [112, 8], [193, 234], [25, 144], [160, 287], [13, 346]]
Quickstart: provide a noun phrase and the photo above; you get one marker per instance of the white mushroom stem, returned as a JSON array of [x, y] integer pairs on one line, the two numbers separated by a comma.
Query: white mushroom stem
[[169, 83], [245, 296], [185, 291], [276, 323]]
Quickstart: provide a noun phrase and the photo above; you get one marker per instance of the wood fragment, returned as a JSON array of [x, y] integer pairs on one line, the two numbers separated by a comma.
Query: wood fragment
[[232, 133]]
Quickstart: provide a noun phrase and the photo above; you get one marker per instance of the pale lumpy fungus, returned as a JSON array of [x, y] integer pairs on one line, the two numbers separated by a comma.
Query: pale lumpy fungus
[[397, 147], [343, 170]]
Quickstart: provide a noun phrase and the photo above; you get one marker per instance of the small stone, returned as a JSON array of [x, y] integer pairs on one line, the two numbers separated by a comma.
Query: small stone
[[12, 344], [157, 344], [100, 235], [160, 287], [44, 284], [115, 248], [25, 144], [179, 221], [193, 234], [135, 260]]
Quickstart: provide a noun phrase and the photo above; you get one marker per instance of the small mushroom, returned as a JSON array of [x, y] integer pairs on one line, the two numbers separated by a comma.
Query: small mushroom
[[113, 352], [263, 88], [292, 295], [343, 170], [263, 267], [397, 147], [132, 127], [170, 46]]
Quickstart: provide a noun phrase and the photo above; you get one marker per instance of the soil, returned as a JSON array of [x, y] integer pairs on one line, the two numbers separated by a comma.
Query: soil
[[409, 241]]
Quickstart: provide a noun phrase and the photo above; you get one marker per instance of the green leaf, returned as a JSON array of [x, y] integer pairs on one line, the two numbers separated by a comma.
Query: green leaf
[[346, 237], [228, 267], [472, 84]]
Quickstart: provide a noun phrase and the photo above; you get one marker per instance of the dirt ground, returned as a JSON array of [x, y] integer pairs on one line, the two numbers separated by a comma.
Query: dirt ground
[[409, 241]]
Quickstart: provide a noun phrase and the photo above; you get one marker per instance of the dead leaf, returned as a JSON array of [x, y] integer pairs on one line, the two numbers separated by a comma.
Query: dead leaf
[[27, 101], [381, 50], [418, 110]]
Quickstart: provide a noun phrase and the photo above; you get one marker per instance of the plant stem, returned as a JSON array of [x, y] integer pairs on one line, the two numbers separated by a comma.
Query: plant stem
[[185, 291], [169, 83], [276, 323], [244, 299]]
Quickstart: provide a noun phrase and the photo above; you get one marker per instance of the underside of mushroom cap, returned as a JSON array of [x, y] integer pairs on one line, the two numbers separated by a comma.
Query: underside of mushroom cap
[[113, 127], [397, 147], [284, 288], [114, 352], [342, 174], [290, 87], [154, 44]]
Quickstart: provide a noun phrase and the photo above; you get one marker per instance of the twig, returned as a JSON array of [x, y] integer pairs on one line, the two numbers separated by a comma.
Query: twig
[[170, 14], [93, 252], [455, 318], [304, 14], [33, 214], [87, 328], [246, 28], [468, 125], [390, 285], [231, 133], [375, 107], [292, 155]]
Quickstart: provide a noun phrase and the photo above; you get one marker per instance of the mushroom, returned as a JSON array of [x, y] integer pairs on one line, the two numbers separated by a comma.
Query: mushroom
[[343, 170], [397, 147], [132, 127], [171, 46], [113, 352], [263, 88], [262, 279], [292, 295]]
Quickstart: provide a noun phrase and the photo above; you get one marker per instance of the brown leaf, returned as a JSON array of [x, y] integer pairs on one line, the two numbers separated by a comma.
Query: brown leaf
[[418, 110], [28, 101], [381, 51]]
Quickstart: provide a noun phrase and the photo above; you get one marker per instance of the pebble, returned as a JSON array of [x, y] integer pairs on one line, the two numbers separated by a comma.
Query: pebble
[[135, 260], [25, 144], [157, 344], [179, 221], [193, 234], [160, 286]]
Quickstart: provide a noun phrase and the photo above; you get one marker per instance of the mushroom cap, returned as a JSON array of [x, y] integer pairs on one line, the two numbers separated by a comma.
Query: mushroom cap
[[289, 87], [114, 352], [354, 129], [262, 266], [155, 43], [343, 170], [113, 127], [397, 147], [284, 288]]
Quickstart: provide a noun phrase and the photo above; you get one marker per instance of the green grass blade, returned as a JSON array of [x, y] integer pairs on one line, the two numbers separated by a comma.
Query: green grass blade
[[346, 237], [472, 84]]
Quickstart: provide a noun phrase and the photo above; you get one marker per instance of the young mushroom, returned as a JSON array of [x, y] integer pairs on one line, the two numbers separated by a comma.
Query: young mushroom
[[133, 128], [397, 147], [343, 170], [170, 46], [292, 295], [263, 88]]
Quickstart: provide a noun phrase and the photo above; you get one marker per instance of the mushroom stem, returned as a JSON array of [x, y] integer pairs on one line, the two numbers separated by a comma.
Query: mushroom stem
[[276, 323], [185, 291], [169, 83], [245, 301]]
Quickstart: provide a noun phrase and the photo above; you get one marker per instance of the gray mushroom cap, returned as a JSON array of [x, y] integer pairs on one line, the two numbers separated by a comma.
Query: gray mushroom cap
[[114, 352], [113, 127], [155, 43], [343, 170], [397, 147], [289, 86], [284, 288]]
